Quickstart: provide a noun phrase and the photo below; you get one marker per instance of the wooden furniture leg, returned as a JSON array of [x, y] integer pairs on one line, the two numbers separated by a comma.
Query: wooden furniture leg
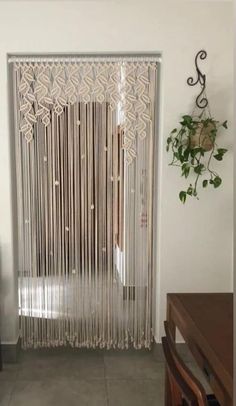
[[173, 333]]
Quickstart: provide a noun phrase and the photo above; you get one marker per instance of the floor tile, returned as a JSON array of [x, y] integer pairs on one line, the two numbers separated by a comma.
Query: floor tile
[[135, 392], [6, 388], [59, 366], [126, 366], [67, 392], [9, 372], [80, 377], [87, 366]]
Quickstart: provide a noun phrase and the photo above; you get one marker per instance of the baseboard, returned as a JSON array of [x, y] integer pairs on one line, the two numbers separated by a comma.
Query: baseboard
[[182, 349], [10, 352]]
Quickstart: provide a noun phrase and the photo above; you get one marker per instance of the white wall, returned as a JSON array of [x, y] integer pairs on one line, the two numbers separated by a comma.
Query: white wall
[[195, 240]]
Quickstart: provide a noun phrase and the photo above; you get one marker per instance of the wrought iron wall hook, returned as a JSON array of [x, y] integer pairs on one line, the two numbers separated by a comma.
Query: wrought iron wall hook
[[201, 101]]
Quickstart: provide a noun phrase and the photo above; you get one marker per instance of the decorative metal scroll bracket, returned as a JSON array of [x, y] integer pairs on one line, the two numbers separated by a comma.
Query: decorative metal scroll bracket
[[201, 100]]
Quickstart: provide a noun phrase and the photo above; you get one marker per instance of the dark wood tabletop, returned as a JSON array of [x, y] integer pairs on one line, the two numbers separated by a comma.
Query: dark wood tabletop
[[206, 322]]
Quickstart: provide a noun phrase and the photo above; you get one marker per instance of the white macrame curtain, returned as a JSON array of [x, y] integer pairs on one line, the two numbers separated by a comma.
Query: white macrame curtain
[[84, 153]]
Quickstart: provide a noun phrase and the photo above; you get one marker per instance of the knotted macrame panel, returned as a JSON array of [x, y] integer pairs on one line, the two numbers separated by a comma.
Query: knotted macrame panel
[[46, 87], [84, 137]]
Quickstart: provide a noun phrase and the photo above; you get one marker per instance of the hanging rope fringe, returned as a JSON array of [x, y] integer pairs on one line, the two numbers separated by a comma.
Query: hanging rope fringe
[[85, 215]]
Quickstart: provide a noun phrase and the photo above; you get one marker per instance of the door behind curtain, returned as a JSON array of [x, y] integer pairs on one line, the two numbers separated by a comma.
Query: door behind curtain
[[85, 204]]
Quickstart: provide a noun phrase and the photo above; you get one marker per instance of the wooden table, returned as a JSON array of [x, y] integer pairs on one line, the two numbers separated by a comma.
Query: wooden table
[[205, 320]]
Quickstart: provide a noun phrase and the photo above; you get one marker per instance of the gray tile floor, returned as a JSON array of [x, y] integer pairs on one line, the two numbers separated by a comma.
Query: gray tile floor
[[57, 378]]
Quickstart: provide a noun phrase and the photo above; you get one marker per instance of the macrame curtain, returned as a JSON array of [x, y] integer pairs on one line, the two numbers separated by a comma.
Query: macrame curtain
[[84, 153]]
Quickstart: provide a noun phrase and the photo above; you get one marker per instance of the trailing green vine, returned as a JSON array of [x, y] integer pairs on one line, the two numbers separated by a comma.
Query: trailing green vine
[[193, 146]]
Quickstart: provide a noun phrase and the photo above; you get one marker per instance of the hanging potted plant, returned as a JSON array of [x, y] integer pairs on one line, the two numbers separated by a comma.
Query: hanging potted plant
[[194, 144]]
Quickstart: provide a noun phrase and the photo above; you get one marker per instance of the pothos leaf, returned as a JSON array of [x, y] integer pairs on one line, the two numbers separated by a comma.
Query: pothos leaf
[[221, 151], [199, 168], [182, 196], [218, 157], [217, 181]]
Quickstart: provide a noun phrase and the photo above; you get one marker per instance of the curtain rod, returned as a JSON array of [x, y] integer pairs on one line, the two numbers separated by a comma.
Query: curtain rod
[[65, 59]]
